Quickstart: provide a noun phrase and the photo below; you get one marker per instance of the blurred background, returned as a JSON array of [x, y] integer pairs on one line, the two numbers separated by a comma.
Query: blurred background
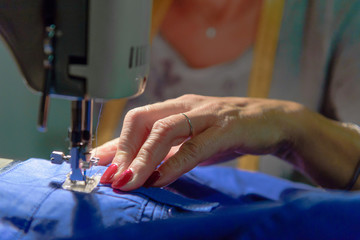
[[19, 137]]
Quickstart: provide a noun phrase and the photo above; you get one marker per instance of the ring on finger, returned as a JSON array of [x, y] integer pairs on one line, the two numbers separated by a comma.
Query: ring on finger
[[190, 125]]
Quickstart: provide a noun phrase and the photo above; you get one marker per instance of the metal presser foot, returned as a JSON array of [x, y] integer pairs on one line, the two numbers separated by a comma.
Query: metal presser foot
[[80, 135], [86, 186], [76, 180]]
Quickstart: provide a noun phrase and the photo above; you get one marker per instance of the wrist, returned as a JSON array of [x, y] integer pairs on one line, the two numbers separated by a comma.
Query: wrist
[[326, 150], [293, 123]]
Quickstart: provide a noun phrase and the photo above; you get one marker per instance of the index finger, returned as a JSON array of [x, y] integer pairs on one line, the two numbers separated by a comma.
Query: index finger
[[136, 129], [166, 133]]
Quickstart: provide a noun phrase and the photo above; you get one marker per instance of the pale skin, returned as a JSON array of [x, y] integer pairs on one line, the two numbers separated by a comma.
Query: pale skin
[[156, 137], [186, 22], [226, 127]]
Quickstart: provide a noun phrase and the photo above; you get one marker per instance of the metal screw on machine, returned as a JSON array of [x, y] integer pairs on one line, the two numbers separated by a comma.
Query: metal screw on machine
[[92, 162], [59, 157]]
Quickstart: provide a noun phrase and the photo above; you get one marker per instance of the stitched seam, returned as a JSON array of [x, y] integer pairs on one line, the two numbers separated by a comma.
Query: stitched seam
[[125, 198], [12, 168], [142, 210], [34, 211], [153, 212], [162, 211]]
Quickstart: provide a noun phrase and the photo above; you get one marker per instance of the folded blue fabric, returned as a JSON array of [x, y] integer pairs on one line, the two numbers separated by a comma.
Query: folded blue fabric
[[33, 203], [208, 203]]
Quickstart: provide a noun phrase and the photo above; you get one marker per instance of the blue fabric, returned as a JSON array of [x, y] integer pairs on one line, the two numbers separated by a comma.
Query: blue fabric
[[207, 203]]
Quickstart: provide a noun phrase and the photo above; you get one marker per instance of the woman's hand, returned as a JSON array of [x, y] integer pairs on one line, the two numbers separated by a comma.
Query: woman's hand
[[155, 143]]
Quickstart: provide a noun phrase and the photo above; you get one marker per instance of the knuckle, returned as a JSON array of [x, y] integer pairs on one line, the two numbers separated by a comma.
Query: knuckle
[[134, 114], [186, 96], [146, 153], [181, 163], [143, 160], [191, 150], [136, 117], [163, 127], [139, 112], [126, 149], [189, 96], [176, 165]]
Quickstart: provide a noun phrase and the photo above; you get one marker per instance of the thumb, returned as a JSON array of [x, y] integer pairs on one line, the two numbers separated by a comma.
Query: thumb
[[105, 152]]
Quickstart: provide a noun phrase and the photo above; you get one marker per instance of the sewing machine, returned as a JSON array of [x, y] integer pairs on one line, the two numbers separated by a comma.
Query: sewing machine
[[84, 51]]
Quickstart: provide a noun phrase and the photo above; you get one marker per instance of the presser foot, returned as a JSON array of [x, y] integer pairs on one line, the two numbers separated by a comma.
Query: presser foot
[[86, 186]]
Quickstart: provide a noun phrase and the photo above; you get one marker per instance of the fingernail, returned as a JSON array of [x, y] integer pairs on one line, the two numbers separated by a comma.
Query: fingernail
[[108, 174], [152, 179], [123, 179]]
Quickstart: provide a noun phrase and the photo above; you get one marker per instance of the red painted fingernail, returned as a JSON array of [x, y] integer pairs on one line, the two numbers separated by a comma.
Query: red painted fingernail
[[108, 174], [152, 179], [123, 179]]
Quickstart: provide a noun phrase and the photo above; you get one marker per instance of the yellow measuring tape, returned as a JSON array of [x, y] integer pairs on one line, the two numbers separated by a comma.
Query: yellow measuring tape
[[263, 61]]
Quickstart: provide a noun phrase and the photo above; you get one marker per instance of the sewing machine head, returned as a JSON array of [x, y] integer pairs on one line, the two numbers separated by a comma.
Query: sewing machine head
[[82, 50]]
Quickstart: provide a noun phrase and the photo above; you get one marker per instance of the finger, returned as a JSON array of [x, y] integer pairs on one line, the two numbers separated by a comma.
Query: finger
[[190, 154], [137, 125], [105, 152], [170, 131], [221, 157], [166, 133], [172, 151], [136, 128]]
